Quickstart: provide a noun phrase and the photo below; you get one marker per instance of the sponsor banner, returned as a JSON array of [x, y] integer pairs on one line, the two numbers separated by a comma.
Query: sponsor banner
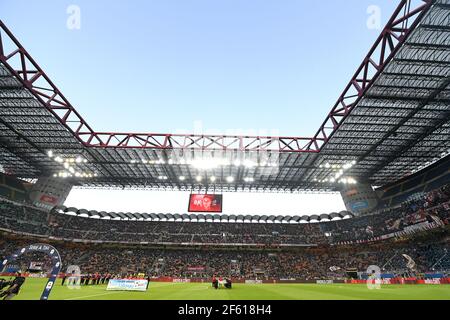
[[359, 205], [253, 281], [324, 281], [49, 199], [37, 275], [370, 281], [196, 268], [177, 280], [127, 285], [432, 281], [406, 281]]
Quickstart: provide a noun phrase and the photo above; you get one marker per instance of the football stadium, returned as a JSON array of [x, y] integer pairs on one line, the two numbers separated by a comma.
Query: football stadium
[[384, 148]]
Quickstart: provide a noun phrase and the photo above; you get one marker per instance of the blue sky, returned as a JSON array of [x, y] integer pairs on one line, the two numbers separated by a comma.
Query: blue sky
[[160, 66], [235, 66]]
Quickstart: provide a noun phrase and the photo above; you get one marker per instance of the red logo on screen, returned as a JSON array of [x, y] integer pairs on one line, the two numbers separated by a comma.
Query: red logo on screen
[[48, 199], [205, 203]]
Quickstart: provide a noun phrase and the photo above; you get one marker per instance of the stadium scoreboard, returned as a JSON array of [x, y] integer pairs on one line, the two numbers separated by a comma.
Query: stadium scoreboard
[[207, 203]]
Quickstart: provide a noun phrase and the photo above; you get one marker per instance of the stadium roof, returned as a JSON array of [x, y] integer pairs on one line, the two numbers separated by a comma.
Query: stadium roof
[[391, 120]]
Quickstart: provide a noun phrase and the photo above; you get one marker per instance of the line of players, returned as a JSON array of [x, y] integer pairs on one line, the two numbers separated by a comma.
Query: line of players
[[88, 279], [98, 279]]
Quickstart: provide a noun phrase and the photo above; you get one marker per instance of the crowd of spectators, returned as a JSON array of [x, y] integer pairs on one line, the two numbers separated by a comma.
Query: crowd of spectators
[[301, 264], [34, 221], [431, 207]]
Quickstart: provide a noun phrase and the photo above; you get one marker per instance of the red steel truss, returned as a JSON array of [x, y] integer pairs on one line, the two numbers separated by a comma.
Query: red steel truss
[[19, 62], [402, 22], [204, 142]]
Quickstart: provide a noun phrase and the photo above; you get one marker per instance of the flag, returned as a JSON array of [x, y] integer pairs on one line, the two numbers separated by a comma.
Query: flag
[[334, 268], [410, 263], [436, 219]]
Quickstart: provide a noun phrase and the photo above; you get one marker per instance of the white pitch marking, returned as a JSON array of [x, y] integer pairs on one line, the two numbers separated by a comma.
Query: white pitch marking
[[93, 295]]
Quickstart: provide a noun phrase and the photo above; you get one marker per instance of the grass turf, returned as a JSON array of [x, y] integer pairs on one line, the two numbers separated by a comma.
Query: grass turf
[[33, 287]]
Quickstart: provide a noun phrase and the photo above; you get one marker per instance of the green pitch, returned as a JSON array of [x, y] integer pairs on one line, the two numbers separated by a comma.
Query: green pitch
[[32, 290]]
